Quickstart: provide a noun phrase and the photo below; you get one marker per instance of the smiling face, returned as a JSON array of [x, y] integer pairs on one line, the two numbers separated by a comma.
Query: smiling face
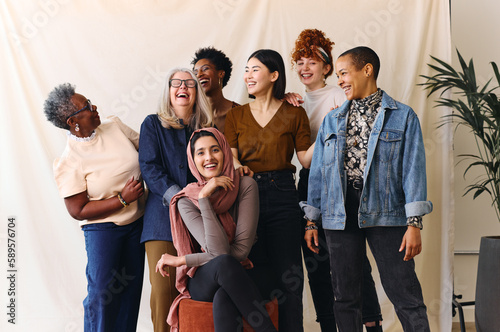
[[182, 96], [208, 75], [208, 157], [87, 120], [258, 79], [356, 83], [312, 72]]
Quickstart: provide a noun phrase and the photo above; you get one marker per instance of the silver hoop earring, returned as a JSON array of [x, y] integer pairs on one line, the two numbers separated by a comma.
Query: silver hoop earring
[[77, 127]]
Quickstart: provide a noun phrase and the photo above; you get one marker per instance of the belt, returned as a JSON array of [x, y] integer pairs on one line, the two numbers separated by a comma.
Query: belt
[[356, 183], [271, 174]]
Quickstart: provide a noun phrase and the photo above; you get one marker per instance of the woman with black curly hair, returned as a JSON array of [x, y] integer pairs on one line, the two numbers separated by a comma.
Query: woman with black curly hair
[[213, 69], [99, 178]]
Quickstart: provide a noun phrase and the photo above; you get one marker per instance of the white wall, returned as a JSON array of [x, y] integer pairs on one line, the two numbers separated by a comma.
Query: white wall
[[117, 53], [475, 32]]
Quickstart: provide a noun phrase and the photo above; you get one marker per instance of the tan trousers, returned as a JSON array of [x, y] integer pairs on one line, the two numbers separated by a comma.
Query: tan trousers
[[163, 291]]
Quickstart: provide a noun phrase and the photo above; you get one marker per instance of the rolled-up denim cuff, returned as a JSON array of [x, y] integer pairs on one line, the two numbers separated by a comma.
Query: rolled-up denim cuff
[[310, 212], [418, 208], [167, 196]]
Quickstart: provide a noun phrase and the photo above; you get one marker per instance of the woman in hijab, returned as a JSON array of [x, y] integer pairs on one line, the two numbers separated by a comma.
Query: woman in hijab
[[213, 228]]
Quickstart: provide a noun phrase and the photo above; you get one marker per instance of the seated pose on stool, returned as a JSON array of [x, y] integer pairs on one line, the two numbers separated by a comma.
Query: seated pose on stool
[[368, 181], [213, 228]]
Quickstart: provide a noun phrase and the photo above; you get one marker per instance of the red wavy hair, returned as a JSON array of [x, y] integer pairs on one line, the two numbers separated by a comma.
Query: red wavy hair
[[307, 44]]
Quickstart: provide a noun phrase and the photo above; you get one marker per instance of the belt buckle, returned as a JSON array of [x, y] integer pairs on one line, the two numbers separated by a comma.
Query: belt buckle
[[357, 184]]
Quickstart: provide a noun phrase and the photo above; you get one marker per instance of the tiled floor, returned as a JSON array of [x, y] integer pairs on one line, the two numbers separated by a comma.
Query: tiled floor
[[470, 327]]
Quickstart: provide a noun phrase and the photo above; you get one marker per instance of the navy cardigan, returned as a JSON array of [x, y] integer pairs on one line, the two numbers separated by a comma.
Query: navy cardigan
[[164, 167]]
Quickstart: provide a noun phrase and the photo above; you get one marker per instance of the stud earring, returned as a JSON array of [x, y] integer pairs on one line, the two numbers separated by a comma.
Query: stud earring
[[77, 127]]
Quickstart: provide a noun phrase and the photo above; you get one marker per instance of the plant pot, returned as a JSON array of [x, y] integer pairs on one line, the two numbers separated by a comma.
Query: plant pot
[[488, 285]]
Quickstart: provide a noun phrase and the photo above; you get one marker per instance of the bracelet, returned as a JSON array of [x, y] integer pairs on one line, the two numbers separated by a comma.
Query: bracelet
[[125, 204], [311, 227]]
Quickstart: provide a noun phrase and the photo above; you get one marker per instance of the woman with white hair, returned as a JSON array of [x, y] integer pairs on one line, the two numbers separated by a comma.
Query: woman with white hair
[[183, 108]]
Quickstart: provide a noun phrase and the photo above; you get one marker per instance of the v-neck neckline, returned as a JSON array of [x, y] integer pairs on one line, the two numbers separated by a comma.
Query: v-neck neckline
[[270, 120]]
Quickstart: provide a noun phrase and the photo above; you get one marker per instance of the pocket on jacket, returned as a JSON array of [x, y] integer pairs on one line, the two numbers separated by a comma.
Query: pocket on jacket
[[330, 149], [389, 143]]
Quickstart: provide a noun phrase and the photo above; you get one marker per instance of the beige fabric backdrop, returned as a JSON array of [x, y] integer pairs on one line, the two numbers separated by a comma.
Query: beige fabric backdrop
[[117, 53]]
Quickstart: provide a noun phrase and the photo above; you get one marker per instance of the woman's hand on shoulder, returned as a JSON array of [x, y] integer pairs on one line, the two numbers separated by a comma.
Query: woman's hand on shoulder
[[244, 170], [294, 98], [132, 190], [214, 183], [167, 260]]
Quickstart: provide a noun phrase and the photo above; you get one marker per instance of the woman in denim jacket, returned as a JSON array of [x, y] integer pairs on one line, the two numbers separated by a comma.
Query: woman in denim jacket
[[183, 108], [368, 182]]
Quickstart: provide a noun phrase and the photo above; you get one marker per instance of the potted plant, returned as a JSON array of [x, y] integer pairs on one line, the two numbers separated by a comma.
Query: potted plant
[[478, 109]]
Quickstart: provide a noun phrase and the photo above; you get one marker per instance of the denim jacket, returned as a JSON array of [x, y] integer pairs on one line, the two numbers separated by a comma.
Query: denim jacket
[[394, 177]]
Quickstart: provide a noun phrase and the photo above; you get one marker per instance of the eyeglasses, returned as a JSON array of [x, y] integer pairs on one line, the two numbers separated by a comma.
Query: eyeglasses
[[89, 106], [176, 82]]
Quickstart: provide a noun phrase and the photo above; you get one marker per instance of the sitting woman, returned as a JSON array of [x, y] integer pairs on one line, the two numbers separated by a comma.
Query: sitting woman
[[213, 228], [99, 178]]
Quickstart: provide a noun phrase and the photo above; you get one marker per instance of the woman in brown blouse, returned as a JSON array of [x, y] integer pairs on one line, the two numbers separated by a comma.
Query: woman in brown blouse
[[263, 136]]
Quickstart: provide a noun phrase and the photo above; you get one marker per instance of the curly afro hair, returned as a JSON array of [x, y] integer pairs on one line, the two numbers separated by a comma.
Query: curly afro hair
[[218, 58], [306, 47], [58, 105]]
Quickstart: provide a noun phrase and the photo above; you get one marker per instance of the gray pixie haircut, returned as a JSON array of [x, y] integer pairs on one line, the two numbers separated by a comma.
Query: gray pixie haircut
[[58, 105], [202, 109]]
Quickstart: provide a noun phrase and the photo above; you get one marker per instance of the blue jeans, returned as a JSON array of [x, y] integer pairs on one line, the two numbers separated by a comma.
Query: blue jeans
[[277, 252], [320, 281], [115, 270], [347, 251], [224, 282]]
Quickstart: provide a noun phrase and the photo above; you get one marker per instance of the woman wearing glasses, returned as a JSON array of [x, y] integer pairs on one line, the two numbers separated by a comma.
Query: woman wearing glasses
[[183, 108], [99, 178]]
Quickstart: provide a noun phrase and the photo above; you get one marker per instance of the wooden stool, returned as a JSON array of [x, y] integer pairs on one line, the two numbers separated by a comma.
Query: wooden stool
[[197, 316]]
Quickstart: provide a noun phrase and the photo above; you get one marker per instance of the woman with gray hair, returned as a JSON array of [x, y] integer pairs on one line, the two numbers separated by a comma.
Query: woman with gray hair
[[98, 176], [183, 108]]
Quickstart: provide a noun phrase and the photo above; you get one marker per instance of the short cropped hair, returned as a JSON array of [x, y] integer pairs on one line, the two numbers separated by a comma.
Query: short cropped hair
[[274, 62], [218, 58], [362, 55], [58, 105]]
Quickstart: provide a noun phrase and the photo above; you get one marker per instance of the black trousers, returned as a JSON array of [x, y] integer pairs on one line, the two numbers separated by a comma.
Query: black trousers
[[224, 281], [320, 280]]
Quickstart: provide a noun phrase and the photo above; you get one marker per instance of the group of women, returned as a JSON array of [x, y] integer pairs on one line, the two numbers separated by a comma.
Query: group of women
[[222, 220]]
